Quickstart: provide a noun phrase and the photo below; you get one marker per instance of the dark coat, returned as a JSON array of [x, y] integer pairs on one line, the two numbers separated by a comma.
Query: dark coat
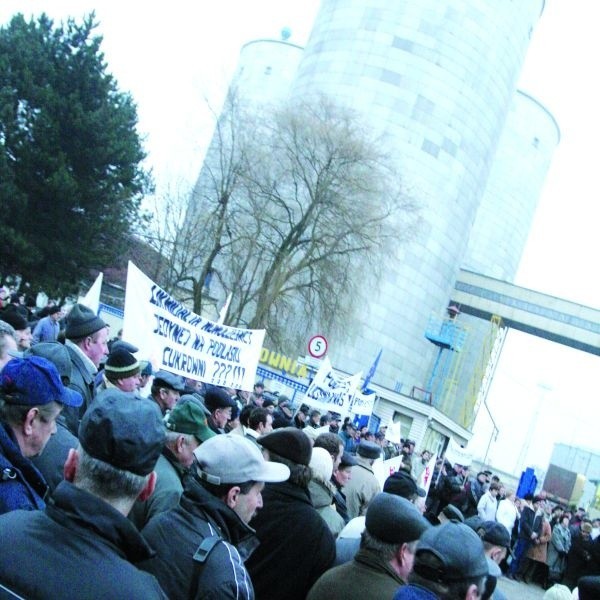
[[82, 381], [364, 578], [296, 546], [84, 548], [580, 559], [169, 487], [51, 461], [22, 486], [176, 536]]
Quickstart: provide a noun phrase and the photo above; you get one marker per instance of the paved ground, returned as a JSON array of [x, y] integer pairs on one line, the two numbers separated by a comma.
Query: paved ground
[[520, 591]]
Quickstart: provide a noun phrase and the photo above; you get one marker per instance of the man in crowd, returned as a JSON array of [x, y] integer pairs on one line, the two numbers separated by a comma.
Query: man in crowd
[[334, 446], [260, 422], [392, 527], [527, 535], [47, 329], [84, 543], [121, 371], [202, 544], [31, 398], [256, 397], [21, 327], [364, 485], [296, 546], [282, 416], [8, 343], [51, 461], [166, 390], [449, 564], [220, 405], [348, 435], [341, 476], [186, 430], [418, 465], [86, 336]]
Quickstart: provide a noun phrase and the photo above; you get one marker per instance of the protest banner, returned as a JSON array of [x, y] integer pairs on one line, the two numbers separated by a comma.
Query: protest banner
[[393, 433], [92, 298], [457, 455], [382, 469], [179, 341], [424, 479], [329, 392], [362, 404]]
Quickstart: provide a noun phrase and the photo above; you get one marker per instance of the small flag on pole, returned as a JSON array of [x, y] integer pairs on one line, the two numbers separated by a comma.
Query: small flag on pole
[[371, 372]]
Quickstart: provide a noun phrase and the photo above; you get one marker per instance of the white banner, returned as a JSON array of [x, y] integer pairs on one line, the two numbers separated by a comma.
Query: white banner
[[457, 455], [179, 341], [329, 392], [362, 404], [92, 298], [382, 469], [424, 479], [393, 433]]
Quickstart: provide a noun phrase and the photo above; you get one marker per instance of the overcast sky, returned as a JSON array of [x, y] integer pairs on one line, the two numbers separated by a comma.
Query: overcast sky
[[174, 57]]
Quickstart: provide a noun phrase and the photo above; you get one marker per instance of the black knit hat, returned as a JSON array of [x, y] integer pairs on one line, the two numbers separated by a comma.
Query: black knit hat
[[289, 443], [82, 321], [121, 364]]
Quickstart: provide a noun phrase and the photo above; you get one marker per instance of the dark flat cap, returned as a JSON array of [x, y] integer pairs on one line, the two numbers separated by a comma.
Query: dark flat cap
[[394, 520], [402, 484], [347, 460], [495, 533], [169, 380], [125, 432], [459, 549], [188, 417], [454, 514], [82, 321], [589, 587], [369, 450], [125, 345], [289, 443], [218, 397], [56, 353]]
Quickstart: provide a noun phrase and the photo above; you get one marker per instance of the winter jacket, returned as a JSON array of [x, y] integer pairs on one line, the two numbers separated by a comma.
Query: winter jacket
[[321, 495], [22, 486], [539, 548], [366, 577], [361, 488], [558, 548], [200, 548], [169, 487], [82, 381], [84, 548], [296, 546]]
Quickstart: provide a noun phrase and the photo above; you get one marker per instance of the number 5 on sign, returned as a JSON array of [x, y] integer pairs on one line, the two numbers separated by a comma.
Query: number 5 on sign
[[317, 346]]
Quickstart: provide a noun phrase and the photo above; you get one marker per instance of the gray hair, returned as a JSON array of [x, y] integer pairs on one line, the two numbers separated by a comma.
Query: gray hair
[[6, 330], [105, 481]]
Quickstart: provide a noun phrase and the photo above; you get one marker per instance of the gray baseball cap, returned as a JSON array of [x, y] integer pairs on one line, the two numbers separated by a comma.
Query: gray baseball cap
[[231, 458]]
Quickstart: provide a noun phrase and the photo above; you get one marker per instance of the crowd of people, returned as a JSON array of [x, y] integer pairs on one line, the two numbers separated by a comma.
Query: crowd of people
[[121, 481]]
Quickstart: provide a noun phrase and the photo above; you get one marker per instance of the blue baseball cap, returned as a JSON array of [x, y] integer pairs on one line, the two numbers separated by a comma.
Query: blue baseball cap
[[34, 381]]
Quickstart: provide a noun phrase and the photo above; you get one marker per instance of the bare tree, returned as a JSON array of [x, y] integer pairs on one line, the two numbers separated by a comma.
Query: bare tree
[[295, 212]]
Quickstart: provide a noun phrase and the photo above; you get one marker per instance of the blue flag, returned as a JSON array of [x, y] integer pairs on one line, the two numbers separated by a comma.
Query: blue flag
[[371, 372]]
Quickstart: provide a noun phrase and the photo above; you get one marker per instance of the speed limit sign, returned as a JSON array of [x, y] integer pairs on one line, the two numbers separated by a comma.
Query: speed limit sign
[[317, 346]]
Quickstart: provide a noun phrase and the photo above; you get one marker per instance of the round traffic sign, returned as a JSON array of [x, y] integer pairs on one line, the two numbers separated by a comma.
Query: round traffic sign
[[317, 346]]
